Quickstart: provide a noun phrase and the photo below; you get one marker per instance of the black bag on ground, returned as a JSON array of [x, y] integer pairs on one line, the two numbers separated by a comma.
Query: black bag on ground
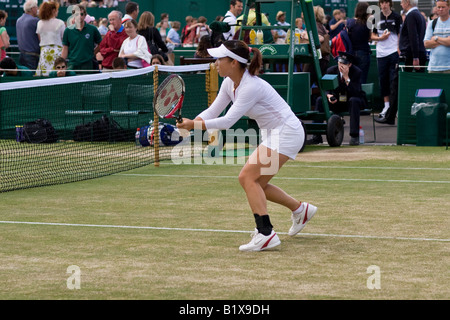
[[39, 131], [103, 129]]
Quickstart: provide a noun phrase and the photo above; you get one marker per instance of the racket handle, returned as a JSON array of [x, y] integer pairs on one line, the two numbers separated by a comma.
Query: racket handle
[[179, 119]]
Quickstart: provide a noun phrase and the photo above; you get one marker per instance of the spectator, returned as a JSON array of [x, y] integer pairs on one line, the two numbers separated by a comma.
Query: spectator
[[27, 39], [157, 59], [103, 26], [112, 42], [131, 12], [360, 36], [203, 46], [324, 39], [173, 38], [189, 31], [348, 97], [4, 37], [438, 39], [164, 29], [236, 7], [50, 31], [9, 68], [60, 69], [202, 29], [119, 64], [134, 49], [281, 34], [338, 22], [412, 34], [79, 41], [386, 34], [146, 29]]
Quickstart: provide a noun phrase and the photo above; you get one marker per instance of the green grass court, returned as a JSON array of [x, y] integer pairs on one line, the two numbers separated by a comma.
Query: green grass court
[[173, 232]]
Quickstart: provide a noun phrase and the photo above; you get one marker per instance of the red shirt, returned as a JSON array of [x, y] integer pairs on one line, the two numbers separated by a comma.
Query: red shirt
[[110, 46]]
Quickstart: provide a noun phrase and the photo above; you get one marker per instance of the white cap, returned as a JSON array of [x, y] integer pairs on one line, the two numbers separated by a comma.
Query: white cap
[[222, 52]]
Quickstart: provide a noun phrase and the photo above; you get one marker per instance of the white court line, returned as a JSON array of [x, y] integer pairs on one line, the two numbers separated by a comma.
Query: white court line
[[217, 230], [281, 178]]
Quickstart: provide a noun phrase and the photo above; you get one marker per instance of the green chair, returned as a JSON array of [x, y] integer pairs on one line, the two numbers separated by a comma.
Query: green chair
[[96, 100], [139, 102]]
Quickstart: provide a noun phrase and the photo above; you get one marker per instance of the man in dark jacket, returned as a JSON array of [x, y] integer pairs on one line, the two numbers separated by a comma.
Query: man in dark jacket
[[411, 37], [347, 97]]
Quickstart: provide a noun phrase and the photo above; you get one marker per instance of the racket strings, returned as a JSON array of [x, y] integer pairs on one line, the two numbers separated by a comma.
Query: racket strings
[[168, 96]]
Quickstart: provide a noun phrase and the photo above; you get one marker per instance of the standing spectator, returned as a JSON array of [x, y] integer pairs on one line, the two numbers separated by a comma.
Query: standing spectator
[[103, 26], [281, 34], [324, 37], [79, 41], [131, 12], [438, 39], [4, 37], [164, 29], [236, 7], [338, 22], [173, 38], [134, 49], [360, 36], [189, 31], [202, 29], [412, 34], [146, 29], [112, 42], [386, 34], [50, 31], [27, 38]]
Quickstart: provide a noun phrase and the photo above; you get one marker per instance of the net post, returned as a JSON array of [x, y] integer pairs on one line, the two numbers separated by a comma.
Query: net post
[[156, 118]]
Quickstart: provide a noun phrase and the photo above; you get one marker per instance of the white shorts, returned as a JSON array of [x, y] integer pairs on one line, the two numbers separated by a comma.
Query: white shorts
[[287, 139]]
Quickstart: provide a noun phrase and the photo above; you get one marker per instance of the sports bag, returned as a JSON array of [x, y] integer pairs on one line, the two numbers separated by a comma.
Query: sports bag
[[39, 131]]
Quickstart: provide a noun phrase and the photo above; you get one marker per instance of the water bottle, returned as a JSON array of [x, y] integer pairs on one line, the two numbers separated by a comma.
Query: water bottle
[[259, 37], [361, 135], [252, 36], [137, 136]]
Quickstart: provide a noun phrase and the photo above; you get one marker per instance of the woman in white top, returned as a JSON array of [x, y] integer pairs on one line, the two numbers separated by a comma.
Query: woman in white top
[[282, 137], [135, 47], [50, 31]]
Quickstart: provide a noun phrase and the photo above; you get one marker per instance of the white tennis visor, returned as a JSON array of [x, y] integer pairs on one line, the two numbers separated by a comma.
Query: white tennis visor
[[222, 52]]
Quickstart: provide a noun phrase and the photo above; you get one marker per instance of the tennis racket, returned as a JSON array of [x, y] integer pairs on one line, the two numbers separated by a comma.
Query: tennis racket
[[169, 98]]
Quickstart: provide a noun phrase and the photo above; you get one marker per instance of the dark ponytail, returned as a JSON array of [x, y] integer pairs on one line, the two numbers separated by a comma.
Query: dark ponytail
[[243, 50]]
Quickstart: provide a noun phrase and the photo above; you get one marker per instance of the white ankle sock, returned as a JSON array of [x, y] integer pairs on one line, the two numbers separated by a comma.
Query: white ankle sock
[[299, 209]]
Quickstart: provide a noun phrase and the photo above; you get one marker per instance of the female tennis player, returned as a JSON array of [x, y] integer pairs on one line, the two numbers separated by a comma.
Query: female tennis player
[[282, 137]]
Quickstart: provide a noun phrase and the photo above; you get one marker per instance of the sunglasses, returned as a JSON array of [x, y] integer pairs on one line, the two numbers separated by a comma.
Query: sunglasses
[[61, 67]]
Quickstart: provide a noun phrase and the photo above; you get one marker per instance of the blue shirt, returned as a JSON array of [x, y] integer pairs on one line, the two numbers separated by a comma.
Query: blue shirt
[[440, 56], [27, 38]]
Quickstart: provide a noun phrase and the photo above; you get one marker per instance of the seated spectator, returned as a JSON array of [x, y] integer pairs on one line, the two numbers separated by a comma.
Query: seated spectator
[[203, 46], [9, 68], [348, 97], [157, 59], [134, 48], [60, 69], [4, 37], [119, 64]]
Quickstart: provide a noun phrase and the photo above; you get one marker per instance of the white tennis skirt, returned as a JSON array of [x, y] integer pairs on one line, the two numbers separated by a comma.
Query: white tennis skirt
[[287, 139]]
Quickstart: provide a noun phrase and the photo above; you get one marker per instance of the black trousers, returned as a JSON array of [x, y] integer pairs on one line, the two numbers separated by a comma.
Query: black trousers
[[352, 106]]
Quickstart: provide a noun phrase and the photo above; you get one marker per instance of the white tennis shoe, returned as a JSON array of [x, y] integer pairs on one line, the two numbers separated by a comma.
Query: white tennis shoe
[[300, 219], [261, 242]]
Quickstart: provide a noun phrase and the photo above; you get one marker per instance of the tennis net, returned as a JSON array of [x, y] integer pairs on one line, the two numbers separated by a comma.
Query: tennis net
[[62, 130]]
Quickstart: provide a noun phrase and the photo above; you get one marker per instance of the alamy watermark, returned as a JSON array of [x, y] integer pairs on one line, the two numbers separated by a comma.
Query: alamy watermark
[[74, 280], [192, 149], [374, 280]]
